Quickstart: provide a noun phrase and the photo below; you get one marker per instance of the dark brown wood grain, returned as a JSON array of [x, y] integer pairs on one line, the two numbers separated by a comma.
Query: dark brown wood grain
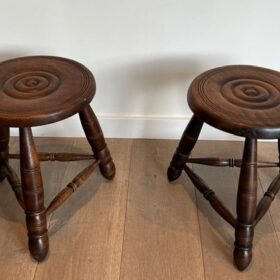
[[39, 90], [183, 151], [15, 184], [57, 156], [267, 199], [4, 150], [240, 99], [75, 184], [33, 195], [231, 162], [210, 196], [246, 205], [96, 139]]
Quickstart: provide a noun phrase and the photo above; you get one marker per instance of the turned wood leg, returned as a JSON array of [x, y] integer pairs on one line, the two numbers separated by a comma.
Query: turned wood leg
[[33, 195], [4, 150], [246, 205], [186, 144], [96, 140]]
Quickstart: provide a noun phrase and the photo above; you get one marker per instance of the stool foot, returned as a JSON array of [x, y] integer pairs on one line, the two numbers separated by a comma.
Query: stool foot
[[173, 173], [242, 257], [33, 195], [4, 150], [246, 205], [38, 247], [186, 145], [96, 139], [107, 168]]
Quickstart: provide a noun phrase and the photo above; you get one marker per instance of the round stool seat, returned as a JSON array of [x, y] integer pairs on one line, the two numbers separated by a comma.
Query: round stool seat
[[38, 90], [239, 99]]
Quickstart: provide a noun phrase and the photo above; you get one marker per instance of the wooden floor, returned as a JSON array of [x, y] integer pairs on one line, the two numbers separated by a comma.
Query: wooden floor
[[139, 226]]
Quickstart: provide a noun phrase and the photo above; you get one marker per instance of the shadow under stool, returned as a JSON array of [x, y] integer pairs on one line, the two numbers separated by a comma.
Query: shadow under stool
[[245, 101], [35, 91]]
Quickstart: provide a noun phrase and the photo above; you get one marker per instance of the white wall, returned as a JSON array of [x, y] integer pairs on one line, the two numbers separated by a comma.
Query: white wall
[[143, 53]]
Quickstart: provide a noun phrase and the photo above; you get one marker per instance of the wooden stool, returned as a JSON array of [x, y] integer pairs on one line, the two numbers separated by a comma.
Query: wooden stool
[[245, 101], [36, 91]]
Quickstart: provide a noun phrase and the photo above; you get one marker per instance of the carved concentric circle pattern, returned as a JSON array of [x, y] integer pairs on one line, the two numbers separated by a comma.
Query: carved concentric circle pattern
[[240, 99], [38, 90], [251, 93], [232, 90], [33, 84]]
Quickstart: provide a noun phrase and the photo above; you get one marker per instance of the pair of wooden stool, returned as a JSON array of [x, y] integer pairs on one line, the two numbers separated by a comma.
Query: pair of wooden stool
[[241, 100]]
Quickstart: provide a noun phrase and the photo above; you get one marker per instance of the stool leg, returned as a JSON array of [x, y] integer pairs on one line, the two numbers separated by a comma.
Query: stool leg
[[246, 205], [4, 150], [186, 144], [96, 139], [33, 195]]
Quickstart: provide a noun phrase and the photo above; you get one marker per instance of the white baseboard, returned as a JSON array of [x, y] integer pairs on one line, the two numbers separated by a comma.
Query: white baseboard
[[130, 127], [156, 128]]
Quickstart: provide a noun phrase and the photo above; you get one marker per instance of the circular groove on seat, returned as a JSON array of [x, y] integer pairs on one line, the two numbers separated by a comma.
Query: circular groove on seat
[[240, 99], [38, 90]]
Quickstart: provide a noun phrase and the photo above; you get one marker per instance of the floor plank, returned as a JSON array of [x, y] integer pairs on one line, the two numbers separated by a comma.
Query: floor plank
[[139, 226], [217, 236], [161, 238], [86, 233]]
